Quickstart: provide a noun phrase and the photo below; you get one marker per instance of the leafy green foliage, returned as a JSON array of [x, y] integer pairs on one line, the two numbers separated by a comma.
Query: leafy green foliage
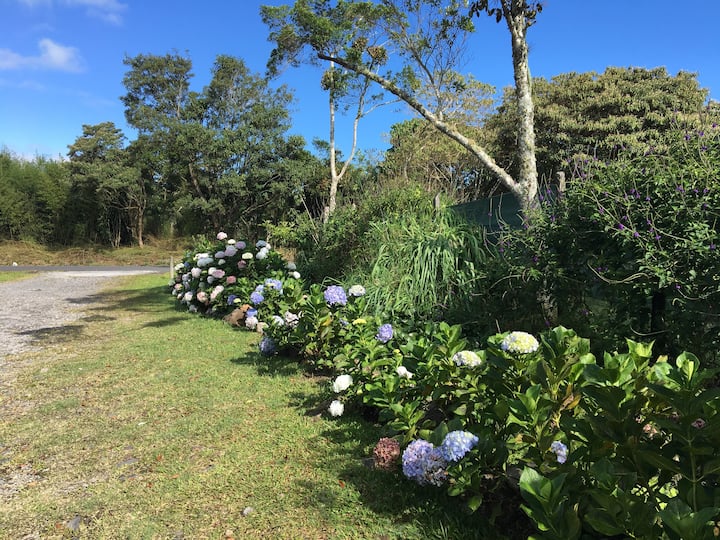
[[32, 198], [642, 234], [600, 115], [625, 447]]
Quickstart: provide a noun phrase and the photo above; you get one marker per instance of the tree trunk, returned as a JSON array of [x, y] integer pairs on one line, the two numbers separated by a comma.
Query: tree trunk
[[332, 199], [517, 24]]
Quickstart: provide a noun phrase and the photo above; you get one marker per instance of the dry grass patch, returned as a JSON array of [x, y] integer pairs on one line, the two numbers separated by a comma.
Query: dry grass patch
[[156, 252]]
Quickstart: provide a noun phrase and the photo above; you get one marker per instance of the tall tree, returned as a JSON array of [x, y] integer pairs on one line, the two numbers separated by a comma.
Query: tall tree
[[106, 188], [413, 49], [217, 153], [346, 90]]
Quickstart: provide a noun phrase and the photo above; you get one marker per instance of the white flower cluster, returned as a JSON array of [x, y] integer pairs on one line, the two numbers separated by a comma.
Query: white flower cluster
[[467, 358], [519, 343]]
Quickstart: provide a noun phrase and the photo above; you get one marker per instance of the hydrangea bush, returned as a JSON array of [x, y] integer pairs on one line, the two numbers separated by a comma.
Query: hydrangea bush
[[218, 276]]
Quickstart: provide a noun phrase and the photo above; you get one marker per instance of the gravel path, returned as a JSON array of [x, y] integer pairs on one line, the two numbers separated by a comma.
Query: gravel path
[[45, 305]]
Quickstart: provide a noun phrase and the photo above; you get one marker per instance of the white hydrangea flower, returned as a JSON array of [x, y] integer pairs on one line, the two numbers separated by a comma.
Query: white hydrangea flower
[[403, 372], [291, 266], [519, 343], [247, 256], [356, 290], [221, 236], [342, 383], [336, 408], [467, 358]]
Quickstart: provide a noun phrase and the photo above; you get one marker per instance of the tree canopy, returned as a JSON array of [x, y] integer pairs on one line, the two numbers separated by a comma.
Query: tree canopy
[[598, 114]]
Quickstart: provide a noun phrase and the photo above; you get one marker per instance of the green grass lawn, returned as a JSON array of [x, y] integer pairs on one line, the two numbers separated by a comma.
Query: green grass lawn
[[155, 423], [14, 276]]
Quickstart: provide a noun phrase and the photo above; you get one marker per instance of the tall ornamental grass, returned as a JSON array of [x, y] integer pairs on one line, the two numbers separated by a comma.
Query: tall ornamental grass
[[426, 264]]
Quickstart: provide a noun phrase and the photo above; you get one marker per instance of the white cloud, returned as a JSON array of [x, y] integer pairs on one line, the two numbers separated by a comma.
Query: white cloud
[[110, 11], [107, 10], [53, 56]]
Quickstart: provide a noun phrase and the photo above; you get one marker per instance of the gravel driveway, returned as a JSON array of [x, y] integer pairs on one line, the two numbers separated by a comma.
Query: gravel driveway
[[35, 307]]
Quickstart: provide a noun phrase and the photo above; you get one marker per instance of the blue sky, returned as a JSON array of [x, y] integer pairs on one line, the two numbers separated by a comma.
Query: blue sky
[[61, 61]]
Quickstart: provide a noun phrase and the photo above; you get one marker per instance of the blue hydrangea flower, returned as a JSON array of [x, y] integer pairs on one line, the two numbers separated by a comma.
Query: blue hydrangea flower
[[267, 346], [414, 457], [458, 443], [231, 299], [256, 298], [335, 295], [252, 312], [424, 463], [560, 451], [274, 284], [385, 333], [435, 468]]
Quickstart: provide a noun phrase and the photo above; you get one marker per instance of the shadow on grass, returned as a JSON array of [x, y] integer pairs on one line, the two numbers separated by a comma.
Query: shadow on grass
[[273, 366], [146, 300], [54, 334]]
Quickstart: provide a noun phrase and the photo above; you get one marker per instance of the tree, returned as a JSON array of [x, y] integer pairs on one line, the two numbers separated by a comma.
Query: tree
[[217, 155], [32, 195], [599, 115], [107, 190], [412, 49], [345, 89]]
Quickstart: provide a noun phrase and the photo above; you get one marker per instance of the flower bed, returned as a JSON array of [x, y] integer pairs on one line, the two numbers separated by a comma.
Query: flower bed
[[625, 446]]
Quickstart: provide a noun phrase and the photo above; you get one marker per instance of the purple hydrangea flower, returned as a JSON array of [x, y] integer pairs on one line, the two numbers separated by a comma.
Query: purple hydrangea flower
[[424, 463], [335, 295], [256, 298], [385, 333], [231, 299], [456, 444], [560, 451]]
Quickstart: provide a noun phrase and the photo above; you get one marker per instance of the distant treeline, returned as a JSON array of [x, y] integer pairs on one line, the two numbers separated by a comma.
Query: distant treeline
[[223, 158]]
